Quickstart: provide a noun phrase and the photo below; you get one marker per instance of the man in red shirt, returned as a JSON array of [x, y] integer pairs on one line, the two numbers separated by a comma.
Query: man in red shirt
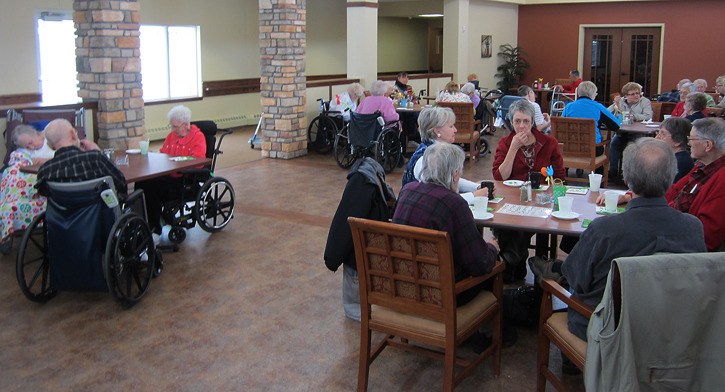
[[575, 81]]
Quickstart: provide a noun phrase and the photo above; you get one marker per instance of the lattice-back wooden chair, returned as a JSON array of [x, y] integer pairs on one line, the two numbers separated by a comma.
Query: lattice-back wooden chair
[[577, 139], [714, 112], [553, 328], [467, 133], [407, 290]]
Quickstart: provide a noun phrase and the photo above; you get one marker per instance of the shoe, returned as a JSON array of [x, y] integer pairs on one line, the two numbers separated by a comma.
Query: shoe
[[156, 238], [542, 268], [479, 342], [568, 367]]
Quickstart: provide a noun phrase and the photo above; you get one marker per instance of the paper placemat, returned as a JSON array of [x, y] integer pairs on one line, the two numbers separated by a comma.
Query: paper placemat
[[515, 209]]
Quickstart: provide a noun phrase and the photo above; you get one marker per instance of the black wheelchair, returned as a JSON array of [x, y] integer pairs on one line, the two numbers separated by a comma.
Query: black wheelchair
[[367, 135], [88, 240], [323, 128], [205, 198]]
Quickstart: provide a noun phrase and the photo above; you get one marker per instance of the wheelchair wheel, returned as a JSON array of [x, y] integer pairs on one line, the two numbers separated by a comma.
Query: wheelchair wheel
[[388, 150], [485, 148], [32, 266], [177, 235], [343, 150], [321, 134], [215, 204], [128, 262]]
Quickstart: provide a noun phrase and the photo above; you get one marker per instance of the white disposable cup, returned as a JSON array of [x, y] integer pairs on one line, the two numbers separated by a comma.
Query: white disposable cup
[[565, 203], [595, 181], [144, 145], [610, 201], [481, 206]]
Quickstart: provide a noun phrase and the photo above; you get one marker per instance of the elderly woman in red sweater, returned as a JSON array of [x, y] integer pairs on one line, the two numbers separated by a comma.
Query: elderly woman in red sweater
[[524, 150], [184, 139]]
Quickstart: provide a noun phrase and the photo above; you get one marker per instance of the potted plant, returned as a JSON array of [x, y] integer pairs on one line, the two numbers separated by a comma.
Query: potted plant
[[513, 68]]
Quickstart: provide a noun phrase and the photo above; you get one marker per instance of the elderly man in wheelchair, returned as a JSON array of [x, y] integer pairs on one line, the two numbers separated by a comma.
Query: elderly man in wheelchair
[[89, 218], [192, 196]]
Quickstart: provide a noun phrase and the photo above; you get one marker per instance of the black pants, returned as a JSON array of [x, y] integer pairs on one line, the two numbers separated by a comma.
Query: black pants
[[158, 191]]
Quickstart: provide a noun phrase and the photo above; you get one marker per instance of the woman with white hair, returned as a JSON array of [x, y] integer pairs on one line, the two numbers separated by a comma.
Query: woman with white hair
[[347, 101], [185, 139], [436, 124], [379, 102], [434, 203], [685, 89]]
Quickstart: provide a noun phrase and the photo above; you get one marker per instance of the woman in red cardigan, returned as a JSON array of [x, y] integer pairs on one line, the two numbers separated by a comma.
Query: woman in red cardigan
[[524, 150]]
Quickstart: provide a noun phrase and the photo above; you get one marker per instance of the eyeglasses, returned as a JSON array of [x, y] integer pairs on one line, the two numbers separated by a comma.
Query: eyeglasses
[[663, 132], [634, 93], [694, 139]]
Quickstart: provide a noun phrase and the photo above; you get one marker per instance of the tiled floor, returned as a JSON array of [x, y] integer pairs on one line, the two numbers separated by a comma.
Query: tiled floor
[[251, 308]]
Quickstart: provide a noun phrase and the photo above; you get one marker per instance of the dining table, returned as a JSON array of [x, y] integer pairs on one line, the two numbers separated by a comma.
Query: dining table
[[143, 167], [416, 108], [640, 128], [510, 213]]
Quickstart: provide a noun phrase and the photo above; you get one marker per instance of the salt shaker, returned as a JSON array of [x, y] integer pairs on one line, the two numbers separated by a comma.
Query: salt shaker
[[527, 184]]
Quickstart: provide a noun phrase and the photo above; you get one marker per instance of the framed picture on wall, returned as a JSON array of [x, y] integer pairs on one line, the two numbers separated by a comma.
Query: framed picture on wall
[[485, 46]]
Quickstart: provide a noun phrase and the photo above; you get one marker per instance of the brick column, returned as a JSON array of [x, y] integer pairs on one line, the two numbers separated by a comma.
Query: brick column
[[109, 67], [282, 40]]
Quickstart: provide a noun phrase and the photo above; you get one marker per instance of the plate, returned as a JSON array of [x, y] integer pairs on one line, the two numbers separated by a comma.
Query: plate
[[565, 215], [653, 125], [133, 151], [485, 216], [513, 183]]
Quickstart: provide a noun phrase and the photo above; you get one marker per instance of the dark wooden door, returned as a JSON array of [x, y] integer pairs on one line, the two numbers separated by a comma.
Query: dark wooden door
[[615, 56], [435, 49]]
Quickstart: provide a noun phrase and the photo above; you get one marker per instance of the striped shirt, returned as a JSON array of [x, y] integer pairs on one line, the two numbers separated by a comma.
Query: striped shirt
[[70, 164]]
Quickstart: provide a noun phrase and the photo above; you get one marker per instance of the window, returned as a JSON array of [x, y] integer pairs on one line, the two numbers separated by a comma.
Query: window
[[57, 48], [170, 60], [162, 47]]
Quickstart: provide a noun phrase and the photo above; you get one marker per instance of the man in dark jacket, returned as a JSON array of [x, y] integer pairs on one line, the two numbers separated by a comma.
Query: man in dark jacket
[[366, 196]]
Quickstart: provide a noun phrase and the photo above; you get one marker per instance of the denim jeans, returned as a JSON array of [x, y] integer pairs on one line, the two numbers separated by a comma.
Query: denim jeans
[[350, 293]]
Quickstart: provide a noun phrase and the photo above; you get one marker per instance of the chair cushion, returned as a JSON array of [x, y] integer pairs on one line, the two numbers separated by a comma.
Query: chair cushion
[[467, 137], [558, 324], [465, 316], [583, 163]]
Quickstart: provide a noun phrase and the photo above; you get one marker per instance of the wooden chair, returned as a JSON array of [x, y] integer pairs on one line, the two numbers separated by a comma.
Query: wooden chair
[[407, 290], [714, 112], [553, 328], [578, 139], [467, 134]]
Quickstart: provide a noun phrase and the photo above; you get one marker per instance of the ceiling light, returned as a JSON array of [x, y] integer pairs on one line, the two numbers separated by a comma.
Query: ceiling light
[[431, 15]]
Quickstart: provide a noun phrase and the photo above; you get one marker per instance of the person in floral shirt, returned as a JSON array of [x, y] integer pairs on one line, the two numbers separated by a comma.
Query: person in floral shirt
[[20, 202], [451, 93]]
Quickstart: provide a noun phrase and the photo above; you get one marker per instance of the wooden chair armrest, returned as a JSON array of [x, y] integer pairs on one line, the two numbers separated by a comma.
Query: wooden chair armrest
[[556, 290], [472, 281], [603, 143]]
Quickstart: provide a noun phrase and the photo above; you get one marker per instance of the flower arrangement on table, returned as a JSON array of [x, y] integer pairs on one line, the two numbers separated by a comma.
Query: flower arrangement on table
[[548, 173]]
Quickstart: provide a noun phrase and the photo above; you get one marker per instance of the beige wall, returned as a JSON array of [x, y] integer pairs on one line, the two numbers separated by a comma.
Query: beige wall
[[490, 18], [402, 44]]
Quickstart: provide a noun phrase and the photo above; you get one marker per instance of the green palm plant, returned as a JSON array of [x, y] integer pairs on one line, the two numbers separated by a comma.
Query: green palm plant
[[513, 68]]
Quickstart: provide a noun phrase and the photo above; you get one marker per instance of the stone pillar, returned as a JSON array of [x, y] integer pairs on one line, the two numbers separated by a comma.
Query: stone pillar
[[282, 41], [109, 67], [362, 48]]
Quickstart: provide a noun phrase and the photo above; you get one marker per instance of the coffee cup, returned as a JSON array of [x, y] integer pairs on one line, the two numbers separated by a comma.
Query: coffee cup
[[595, 181], [535, 179], [565, 203], [489, 185], [144, 146], [610, 201], [480, 203]]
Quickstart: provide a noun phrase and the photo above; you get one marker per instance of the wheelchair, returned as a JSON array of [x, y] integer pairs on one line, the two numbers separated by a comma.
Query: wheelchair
[[87, 241], [205, 199], [323, 128], [367, 135]]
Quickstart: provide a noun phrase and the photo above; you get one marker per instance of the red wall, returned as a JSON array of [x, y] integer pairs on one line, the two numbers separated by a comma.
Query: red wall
[[692, 47]]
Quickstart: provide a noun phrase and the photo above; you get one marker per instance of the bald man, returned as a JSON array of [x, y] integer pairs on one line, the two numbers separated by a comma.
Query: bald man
[[75, 160]]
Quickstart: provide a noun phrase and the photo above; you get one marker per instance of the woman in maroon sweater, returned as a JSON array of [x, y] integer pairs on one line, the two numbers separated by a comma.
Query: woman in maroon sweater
[[526, 149]]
